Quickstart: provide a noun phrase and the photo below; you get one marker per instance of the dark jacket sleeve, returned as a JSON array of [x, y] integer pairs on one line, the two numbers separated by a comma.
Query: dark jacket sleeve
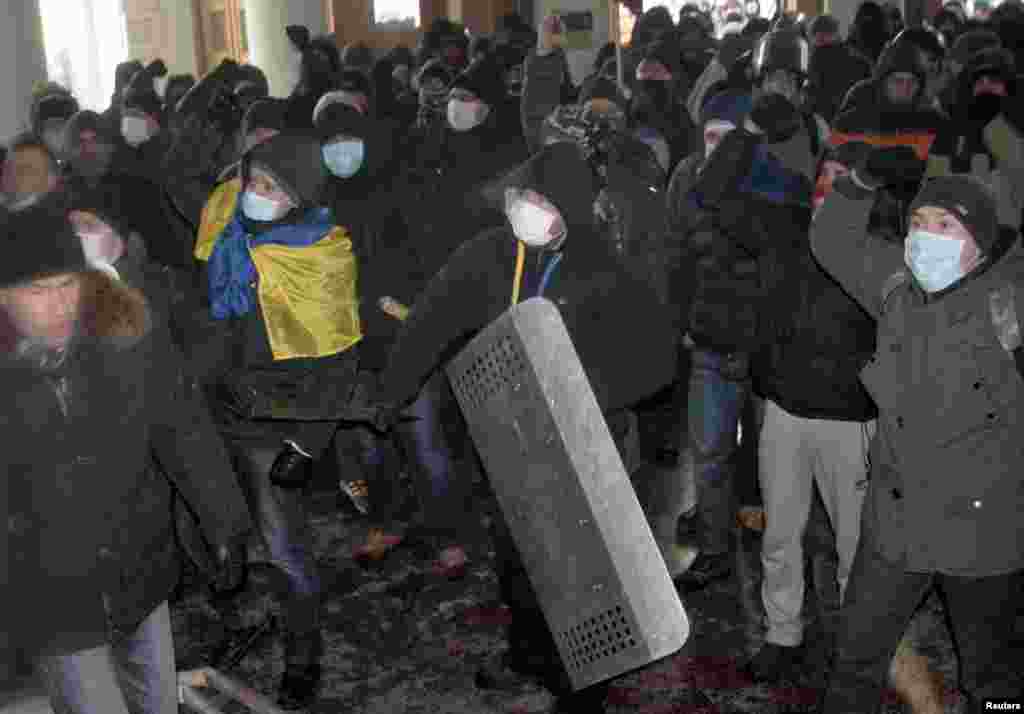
[[681, 219], [462, 298], [190, 168], [544, 77], [189, 448], [729, 162], [841, 243]]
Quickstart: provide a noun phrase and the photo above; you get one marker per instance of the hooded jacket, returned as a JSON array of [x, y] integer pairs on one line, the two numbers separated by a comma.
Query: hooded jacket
[[88, 507], [320, 68], [945, 488], [620, 328]]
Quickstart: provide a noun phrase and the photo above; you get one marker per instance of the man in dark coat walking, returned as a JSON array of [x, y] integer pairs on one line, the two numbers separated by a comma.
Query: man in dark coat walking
[[102, 427]]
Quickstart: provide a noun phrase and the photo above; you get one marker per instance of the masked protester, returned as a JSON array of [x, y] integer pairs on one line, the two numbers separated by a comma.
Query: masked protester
[[282, 283], [50, 112], [30, 172], [966, 46], [722, 314], [812, 342], [90, 513], [834, 68], [123, 75], [450, 162], [142, 123], [953, 282], [139, 203], [893, 110], [549, 208], [658, 97]]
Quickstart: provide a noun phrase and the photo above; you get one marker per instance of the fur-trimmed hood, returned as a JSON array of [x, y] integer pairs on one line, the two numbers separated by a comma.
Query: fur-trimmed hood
[[112, 313]]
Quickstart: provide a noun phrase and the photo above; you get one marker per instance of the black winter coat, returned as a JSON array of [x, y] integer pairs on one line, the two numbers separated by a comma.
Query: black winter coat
[[814, 339], [714, 286], [621, 329], [89, 520]]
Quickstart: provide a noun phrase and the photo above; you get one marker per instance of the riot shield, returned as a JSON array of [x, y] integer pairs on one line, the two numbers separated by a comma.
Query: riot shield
[[568, 501]]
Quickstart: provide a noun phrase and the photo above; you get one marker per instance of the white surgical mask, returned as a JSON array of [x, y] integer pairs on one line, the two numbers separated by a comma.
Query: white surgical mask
[[531, 223], [933, 259], [261, 208], [344, 158], [463, 116], [135, 130]]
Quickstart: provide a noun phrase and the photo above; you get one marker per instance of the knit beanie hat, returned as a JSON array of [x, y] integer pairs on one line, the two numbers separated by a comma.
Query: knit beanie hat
[[729, 105], [141, 92], [295, 162], [336, 114], [969, 200], [40, 242], [484, 79]]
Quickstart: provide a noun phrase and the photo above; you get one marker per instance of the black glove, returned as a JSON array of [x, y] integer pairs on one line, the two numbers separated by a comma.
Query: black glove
[[984, 108], [776, 117], [385, 416], [890, 166], [230, 560]]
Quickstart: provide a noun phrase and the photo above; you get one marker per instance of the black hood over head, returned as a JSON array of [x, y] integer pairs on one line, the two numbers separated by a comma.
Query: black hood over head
[[903, 57], [141, 91], [991, 62], [295, 161], [651, 25], [265, 114], [561, 174], [485, 79]]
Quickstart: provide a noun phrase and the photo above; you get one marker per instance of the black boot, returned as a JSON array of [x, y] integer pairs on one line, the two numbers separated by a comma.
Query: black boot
[[301, 681]]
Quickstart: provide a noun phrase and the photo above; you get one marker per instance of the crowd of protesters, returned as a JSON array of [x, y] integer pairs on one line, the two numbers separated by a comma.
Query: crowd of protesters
[[799, 245]]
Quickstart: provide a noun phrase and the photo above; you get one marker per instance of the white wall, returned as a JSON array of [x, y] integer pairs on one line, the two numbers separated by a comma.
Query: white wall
[[22, 63], [269, 46], [580, 61]]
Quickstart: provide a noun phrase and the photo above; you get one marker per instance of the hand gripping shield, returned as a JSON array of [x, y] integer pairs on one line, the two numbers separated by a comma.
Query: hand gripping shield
[[569, 504]]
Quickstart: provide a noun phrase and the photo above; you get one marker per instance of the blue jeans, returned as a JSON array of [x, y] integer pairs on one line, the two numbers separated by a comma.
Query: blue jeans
[[719, 388], [442, 486], [135, 675]]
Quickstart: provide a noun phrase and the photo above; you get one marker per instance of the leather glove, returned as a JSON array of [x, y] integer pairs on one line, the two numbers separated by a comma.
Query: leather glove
[[550, 35], [983, 108], [775, 117], [887, 166], [230, 560]]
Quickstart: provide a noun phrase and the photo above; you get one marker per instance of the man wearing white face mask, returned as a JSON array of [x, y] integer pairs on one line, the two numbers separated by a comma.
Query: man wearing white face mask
[[142, 113], [944, 498], [618, 325]]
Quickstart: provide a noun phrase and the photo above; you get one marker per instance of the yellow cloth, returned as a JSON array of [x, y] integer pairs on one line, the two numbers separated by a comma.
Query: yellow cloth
[[309, 296], [217, 214]]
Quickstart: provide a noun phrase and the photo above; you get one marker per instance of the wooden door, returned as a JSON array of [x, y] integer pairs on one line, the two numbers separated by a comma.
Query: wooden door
[[220, 32]]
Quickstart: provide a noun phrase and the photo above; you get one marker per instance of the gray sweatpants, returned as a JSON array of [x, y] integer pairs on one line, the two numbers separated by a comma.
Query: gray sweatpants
[[794, 454]]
